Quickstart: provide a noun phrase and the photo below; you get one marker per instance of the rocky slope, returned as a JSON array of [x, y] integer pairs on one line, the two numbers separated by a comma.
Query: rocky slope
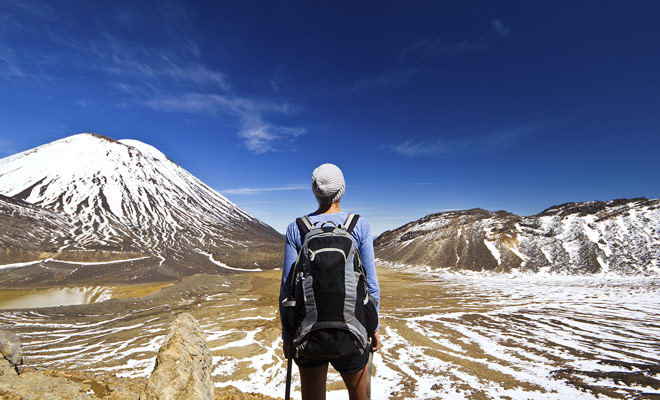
[[618, 236], [87, 199], [28, 230], [182, 371]]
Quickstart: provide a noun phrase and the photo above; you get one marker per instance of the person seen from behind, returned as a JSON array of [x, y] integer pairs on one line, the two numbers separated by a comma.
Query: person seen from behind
[[311, 326]]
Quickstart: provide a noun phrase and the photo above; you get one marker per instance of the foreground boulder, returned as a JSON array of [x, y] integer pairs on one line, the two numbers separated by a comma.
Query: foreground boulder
[[11, 349], [183, 364]]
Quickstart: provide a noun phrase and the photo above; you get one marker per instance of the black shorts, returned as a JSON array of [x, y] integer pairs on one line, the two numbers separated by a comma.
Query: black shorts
[[346, 365]]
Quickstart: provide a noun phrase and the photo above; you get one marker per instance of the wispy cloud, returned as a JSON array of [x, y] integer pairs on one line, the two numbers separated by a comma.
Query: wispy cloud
[[212, 96], [500, 30], [172, 77], [130, 60], [215, 104], [510, 133], [438, 46], [430, 147], [6, 148], [418, 184], [416, 58], [197, 103], [249, 191], [84, 103], [261, 137], [500, 138], [280, 81], [394, 77], [14, 15], [260, 213], [9, 66], [441, 46]]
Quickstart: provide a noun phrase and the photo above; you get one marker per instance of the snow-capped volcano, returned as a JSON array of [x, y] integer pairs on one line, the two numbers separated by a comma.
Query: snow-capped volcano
[[127, 197], [618, 236]]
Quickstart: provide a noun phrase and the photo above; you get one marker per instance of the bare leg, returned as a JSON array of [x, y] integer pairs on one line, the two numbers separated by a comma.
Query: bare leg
[[356, 383], [312, 382]]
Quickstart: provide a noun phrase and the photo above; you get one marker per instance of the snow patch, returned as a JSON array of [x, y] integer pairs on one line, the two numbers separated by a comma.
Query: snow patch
[[494, 251]]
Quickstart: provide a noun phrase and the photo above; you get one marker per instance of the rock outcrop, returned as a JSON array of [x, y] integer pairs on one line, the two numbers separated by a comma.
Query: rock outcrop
[[11, 349], [47, 384], [183, 364], [182, 372]]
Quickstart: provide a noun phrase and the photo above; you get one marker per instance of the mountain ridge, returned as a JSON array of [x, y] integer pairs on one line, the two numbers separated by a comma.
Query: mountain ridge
[[127, 197], [620, 236]]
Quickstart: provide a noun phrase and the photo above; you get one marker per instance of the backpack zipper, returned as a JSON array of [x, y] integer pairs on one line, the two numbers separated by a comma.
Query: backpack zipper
[[313, 253]]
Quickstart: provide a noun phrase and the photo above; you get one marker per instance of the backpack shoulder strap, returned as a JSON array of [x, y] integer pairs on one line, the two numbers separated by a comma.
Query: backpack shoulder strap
[[304, 226], [350, 222]]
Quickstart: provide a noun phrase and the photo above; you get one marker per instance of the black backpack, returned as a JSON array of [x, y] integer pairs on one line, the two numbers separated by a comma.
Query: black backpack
[[328, 307]]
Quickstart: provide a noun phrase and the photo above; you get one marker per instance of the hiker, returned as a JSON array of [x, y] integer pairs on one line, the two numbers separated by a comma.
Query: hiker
[[328, 187]]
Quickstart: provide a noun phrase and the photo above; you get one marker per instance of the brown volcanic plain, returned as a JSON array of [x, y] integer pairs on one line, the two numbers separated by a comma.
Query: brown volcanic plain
[[445, 336]]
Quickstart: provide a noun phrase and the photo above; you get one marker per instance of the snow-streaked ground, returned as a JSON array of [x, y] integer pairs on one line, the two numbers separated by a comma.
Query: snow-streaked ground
[[503, 335], [448, 336]]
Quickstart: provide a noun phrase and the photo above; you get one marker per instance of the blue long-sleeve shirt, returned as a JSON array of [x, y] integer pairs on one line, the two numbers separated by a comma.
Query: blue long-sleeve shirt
[[362, 238]]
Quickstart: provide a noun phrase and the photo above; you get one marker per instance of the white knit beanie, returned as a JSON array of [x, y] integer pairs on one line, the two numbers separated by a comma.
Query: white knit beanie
[[328, 184]]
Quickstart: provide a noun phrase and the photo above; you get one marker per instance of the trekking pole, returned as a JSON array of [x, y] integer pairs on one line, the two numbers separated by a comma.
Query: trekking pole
[[287, 391], [369, 365]]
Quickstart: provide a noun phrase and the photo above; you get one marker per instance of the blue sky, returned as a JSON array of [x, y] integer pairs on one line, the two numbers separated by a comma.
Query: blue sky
[[427, 106]]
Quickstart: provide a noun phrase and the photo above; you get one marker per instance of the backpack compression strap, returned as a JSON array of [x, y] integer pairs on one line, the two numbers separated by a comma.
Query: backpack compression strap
[[304, 226], [350, 222]]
